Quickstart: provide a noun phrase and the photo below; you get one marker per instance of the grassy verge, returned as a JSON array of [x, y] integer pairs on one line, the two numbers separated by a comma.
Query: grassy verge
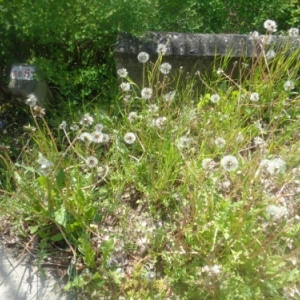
[[172, 194]]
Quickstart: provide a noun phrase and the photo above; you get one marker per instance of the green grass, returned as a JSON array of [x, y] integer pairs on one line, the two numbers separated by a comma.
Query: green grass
[[162, 215]]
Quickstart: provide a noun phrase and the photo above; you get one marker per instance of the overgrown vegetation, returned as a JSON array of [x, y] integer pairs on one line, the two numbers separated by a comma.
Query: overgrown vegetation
[[174, 195]]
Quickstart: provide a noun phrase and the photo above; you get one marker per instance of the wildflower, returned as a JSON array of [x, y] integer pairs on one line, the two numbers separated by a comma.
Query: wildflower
[[270, 25], [270, 54], [229, 163], [146, 93], [74, 127], [170, 96], [39, 111], [143, 57], [125, 86], [31, 100], [184, 142], [161, 49], [254, 97], [220, 142], [276, 213], [63, 125], [86, 137], [87, 120], [165, 68], [122, 72], [91, 162], [159, 122], [129, 138], [215, 98], [98, 127], [153, 108], [293, 32], [289, 85], [208, 164], [132, 116], [97, 137], [45, 165]]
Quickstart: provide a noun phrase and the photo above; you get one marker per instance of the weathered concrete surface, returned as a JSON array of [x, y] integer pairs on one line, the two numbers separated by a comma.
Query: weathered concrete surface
[[20, 279], [193, 52]]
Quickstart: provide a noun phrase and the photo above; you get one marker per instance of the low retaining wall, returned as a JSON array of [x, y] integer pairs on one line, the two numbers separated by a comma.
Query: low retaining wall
[[194, 52]]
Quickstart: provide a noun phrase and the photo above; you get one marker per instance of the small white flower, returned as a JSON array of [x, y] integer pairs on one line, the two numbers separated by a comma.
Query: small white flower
[[63, 125], [229, 163], [215, 98], [132, 116], [170, 96], [125, 86], [220, 142], [254, 97], [270, 54], [161, 49], [165, 68], [146, 93], [276, 213], [122, 72], [129, 138], [91, 162], [86, 137], [289, 85], [208, 164], [31, 100], [270, 25], [87, 120], [143, 57], [293, 32]]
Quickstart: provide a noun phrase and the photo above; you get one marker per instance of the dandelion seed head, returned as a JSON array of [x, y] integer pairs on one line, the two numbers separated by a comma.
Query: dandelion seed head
[[45, 166], [161, 49], [208, 164], [129, 138], [220, 142], [254, 97], [146, 93], [165, 68], [143, 57], [63, 125], [170, 96], [31, 100], [276, 213], [273, 166], [289, 85], [270, 25], [159, 122], [184, 142], [74, 127], [122, 72], [127, 98], [153, 108], [97, 137], [229, 163], [253, 35], [220, 71], [133, 116], [270, 54], [105, 138], [125, 86], [293, 32], [239, 137], [86, 137], [91, 161], [215, 98], [87, 120], [98, 127]]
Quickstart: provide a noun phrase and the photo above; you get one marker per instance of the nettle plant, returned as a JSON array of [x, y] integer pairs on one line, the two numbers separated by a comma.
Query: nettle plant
[[182, 195]]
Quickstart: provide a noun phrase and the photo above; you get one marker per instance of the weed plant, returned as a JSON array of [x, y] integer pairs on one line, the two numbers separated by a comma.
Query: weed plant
[[177, 194]]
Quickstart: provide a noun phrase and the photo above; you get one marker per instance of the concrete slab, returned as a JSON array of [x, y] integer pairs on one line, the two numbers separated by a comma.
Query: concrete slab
[[20, 279]]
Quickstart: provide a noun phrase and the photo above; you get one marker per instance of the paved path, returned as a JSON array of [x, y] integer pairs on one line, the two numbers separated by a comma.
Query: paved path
[[20, 279]]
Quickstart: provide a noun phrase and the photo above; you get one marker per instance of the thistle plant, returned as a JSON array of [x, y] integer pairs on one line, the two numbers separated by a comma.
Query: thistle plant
[[182, 194]]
